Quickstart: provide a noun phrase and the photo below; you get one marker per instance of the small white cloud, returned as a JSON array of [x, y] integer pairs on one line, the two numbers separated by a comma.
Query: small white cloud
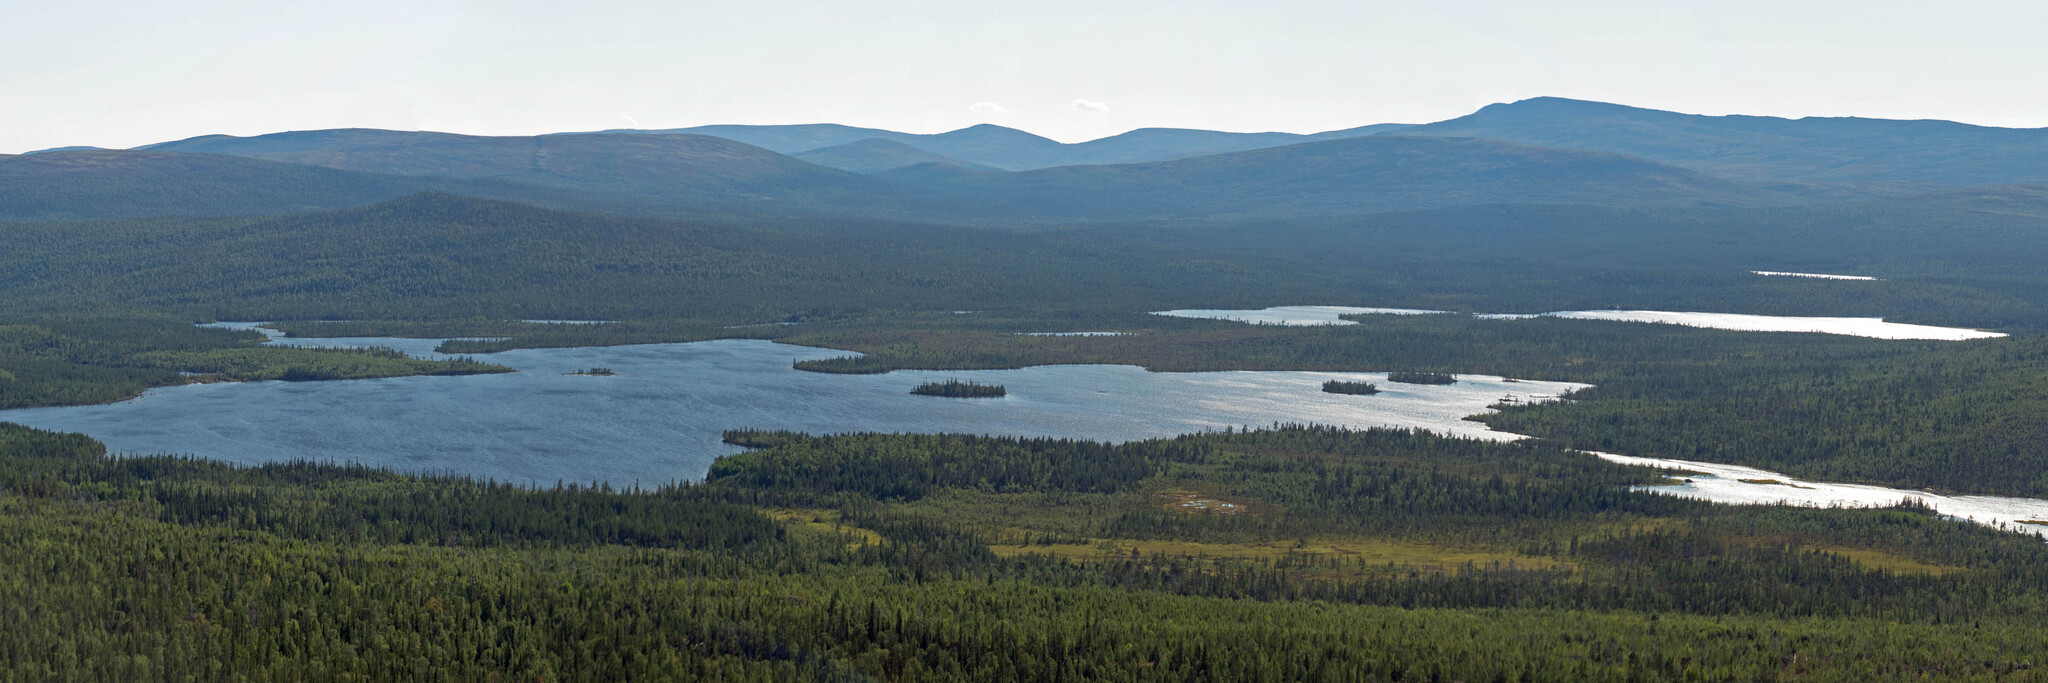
[[630, 121], [988, 107], [1090, 105]]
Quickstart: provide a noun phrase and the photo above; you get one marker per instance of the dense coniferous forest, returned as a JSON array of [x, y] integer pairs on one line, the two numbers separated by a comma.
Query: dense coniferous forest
[[895, 557]]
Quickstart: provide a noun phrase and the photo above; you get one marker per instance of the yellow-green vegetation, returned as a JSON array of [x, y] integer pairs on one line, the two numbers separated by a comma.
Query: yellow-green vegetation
[[823, 522], [1357, 560], [1403, 555], [1889, 561]]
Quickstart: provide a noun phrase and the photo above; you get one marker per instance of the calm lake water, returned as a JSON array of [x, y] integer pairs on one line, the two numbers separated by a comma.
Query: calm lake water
[[660, 419], [1875, 328], [1291, 315]]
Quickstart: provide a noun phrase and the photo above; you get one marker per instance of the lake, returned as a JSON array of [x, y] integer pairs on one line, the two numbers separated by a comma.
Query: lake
[[1816, 276], [1875, 328], [661, 417], [1291, 315]]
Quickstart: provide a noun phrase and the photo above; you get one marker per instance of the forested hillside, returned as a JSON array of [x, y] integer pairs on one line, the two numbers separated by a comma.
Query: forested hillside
[[442, 256], [85, 185]]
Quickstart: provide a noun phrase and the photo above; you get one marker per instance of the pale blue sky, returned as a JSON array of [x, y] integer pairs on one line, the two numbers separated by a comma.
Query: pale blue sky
[[119, 73]]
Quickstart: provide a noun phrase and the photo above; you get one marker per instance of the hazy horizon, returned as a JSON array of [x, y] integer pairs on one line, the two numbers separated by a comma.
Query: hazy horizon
[[138, 73]]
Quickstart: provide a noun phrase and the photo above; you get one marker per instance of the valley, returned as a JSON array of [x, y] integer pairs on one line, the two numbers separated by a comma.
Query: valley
[[1558, 390]]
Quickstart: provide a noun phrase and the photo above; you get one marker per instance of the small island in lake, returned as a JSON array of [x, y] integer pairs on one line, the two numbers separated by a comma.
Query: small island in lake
[[1338, 386], [1422, 377], [954, 388], [594, 372]]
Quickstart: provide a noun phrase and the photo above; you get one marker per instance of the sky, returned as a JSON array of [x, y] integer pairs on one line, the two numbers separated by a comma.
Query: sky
[[121, 73]]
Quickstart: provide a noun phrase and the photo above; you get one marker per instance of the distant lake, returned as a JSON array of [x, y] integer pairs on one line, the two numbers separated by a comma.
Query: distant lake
[[661, 417], [1291, 315], [1875, 328], [1817, 276]]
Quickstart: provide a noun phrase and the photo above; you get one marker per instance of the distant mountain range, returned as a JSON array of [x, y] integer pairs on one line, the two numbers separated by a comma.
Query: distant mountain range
[[1541, 151], [1339, 177], [613, 171], [1010, 149]]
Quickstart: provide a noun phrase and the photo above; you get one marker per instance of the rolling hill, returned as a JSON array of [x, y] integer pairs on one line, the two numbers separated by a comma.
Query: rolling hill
[[875, 155], [1872, 156]]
